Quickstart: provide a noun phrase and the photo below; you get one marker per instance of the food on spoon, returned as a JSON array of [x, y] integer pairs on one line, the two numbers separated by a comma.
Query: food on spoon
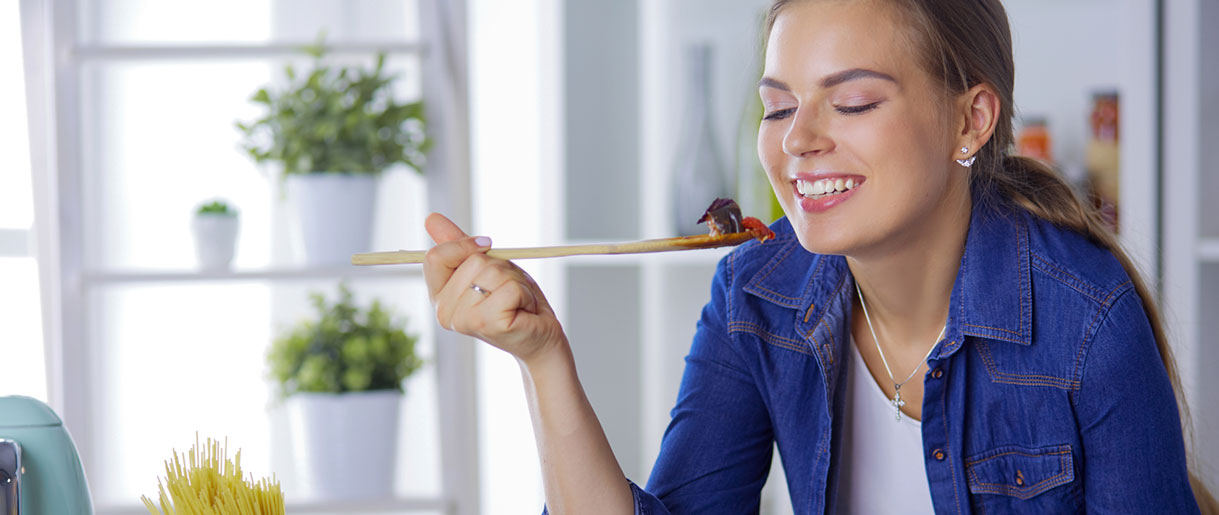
[[758, 229], [723, 217]]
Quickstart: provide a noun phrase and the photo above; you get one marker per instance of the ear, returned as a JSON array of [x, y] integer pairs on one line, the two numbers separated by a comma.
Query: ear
[[979, 114]]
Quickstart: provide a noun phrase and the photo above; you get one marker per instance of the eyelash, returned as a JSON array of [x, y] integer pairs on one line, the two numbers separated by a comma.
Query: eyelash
[[846, 110], [849, 110], [779, 115]]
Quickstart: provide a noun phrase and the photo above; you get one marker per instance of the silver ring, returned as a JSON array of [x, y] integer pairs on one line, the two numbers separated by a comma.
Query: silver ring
[[479, 289]]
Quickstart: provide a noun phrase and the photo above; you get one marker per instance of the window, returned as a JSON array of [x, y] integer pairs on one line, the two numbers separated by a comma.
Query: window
[[164, 350], [20, 312]]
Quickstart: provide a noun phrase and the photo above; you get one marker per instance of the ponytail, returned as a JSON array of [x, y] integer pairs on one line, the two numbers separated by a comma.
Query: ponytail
[[1041, 191]]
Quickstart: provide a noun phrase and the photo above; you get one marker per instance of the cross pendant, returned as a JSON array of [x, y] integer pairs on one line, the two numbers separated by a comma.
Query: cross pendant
[[897, 401]]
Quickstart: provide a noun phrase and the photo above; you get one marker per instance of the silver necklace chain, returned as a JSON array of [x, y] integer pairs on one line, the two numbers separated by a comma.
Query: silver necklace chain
[[897, 401]]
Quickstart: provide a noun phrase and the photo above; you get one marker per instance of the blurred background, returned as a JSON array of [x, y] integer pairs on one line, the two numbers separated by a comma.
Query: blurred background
[[550, 122]]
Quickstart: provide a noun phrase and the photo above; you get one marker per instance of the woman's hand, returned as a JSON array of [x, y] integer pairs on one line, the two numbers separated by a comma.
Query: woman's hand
[[487, 298], [508, 310]]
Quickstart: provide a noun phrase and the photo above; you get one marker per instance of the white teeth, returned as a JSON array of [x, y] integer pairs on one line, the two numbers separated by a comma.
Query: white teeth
[[825, 186]]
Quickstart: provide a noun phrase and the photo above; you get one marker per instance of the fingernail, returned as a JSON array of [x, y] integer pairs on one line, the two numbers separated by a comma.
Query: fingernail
[[482, 241]]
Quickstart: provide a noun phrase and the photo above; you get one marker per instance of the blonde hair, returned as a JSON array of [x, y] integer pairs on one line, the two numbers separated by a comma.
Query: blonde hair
[[968, 42]]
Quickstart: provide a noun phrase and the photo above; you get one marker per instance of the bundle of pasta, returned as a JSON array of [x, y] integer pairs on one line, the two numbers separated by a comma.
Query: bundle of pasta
[[211, 484]]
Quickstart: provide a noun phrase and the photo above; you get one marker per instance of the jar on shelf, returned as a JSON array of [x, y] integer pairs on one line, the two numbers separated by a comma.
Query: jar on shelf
[[1103, 154], [1034, 140]]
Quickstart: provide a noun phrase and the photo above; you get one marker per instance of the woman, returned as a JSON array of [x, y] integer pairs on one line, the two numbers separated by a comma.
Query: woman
[[937, 326]]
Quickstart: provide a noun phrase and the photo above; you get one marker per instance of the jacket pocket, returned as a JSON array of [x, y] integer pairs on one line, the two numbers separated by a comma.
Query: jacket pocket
[[1014, 479]]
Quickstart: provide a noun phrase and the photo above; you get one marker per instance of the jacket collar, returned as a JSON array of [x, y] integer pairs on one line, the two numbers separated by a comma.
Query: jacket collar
[[991, 297]]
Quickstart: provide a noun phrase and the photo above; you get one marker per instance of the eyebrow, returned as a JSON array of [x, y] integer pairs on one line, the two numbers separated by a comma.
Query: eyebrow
[[830, 81]]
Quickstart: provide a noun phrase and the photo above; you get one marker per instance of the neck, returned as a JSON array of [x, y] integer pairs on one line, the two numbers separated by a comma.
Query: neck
[[908, 283]]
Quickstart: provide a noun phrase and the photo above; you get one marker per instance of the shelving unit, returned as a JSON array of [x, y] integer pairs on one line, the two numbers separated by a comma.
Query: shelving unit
[[66, 64], [100, 278], [631, 318]]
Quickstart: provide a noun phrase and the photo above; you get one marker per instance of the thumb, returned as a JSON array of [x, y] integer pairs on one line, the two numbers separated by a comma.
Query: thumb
[[442, 229]]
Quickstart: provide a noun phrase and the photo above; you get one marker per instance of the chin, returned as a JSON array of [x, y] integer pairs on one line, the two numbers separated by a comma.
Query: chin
[[822, 243]]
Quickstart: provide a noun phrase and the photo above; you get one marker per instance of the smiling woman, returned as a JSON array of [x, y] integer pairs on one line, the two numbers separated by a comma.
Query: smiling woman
[[938, 326]]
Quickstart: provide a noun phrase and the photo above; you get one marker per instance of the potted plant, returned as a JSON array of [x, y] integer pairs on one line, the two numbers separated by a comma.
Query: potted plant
[[333, 130], [341, 377], [215, 226]]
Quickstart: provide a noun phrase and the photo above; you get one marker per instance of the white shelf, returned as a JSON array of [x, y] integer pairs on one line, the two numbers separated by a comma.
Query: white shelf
[[413, 504], [129, 52], [1208, 250], [119, 276]]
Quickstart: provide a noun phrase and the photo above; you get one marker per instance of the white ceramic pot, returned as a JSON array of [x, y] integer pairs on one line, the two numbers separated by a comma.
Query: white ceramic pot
[[345, 444], [215, 239], [336, 214]]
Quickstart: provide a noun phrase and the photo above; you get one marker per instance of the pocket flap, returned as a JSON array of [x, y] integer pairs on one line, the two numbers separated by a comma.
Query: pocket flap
[[1019, 472]]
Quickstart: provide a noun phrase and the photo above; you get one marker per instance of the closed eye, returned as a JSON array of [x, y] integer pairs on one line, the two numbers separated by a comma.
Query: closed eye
[[779, 115], [856, 109]]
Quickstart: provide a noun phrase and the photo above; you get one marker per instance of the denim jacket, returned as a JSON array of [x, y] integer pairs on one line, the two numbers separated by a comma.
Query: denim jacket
[[1046, 394]]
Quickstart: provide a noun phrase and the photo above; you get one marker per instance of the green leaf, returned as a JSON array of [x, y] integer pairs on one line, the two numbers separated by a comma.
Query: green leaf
[[344, 347], [336, 118]]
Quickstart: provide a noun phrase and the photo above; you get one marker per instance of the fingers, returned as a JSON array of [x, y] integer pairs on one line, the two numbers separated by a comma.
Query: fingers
[[455, 294], [504, 308], [491, 316], [442, 261], [441, 229], [511, 313]]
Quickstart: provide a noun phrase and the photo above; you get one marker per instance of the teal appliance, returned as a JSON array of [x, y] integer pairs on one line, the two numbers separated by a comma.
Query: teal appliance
[[40, 471]]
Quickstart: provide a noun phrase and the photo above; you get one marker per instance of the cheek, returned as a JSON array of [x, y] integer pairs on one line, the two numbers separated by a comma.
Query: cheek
[[902, 146], [770, 146]]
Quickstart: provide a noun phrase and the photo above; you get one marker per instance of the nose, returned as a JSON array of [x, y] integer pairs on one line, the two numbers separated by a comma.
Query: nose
[[806, 135]]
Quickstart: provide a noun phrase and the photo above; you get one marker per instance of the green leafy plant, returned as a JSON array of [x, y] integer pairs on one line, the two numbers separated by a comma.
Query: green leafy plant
[[345, 349], [216, 207], [336, 120]]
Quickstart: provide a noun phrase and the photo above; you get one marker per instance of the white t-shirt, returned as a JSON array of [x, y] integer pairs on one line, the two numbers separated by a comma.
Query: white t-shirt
[[882, 470]]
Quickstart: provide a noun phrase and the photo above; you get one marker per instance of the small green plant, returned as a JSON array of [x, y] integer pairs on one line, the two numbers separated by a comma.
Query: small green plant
[[336, 120], [216, 207], [345, 349]]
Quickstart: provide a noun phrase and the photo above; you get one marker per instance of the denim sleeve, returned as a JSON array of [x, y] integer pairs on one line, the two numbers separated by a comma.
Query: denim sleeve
[[1134, 453], [716, 451]]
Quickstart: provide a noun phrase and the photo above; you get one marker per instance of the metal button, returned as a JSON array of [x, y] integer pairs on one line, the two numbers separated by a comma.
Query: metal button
[[1019, 478], [939, 455], [937, 373]]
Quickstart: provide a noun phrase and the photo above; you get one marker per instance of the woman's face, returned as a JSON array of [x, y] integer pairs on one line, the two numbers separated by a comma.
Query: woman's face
[[849, 110]]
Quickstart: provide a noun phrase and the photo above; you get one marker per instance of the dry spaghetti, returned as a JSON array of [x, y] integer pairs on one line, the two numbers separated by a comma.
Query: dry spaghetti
[[211, 484]]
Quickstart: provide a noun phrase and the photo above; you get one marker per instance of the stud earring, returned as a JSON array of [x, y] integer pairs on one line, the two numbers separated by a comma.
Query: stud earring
[[964, 150]]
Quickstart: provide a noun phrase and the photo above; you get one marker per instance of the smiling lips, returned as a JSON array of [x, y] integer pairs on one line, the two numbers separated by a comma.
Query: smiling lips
[[825, 187], [821, 194]]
